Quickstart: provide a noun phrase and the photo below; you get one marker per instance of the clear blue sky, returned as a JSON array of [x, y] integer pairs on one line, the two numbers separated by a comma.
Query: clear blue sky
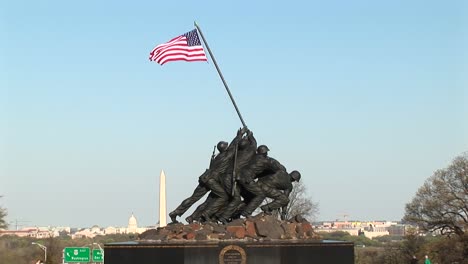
[[366, 99]]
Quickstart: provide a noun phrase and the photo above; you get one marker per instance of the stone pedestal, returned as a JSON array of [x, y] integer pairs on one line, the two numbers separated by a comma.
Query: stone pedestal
[[230, 252]]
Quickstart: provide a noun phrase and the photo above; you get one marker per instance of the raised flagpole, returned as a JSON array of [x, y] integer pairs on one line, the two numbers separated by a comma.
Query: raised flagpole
[[220, 74]]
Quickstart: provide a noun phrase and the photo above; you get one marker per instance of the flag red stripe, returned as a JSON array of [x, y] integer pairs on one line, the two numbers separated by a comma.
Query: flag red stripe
[[177, 53], [180, 41], [177, 49], [172, 48], [181, 56], [182, 59]]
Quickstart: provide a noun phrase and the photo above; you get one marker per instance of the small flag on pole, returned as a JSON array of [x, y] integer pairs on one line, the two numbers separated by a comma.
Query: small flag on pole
[[186, 47]]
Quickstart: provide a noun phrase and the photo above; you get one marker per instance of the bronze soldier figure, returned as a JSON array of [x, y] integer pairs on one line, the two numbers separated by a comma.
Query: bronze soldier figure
[[259, 165], [222, 172], [278, 187], [246, 150], [208, 181]]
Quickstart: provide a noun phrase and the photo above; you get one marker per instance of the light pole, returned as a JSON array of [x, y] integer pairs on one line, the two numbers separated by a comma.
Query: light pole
[[102, 250], [43, 248]]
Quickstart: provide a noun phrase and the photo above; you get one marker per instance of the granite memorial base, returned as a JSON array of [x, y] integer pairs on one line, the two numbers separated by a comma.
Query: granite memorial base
[[230, 252]]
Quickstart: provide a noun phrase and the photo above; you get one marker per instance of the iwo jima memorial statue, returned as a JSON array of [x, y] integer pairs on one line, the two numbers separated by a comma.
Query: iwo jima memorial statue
[[224, 228]]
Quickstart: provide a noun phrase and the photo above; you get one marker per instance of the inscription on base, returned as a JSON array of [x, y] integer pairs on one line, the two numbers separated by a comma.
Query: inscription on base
[[232, 254]]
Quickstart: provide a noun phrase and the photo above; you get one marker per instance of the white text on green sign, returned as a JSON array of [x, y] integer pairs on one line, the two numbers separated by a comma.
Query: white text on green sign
[[76, 254], [97, 255]]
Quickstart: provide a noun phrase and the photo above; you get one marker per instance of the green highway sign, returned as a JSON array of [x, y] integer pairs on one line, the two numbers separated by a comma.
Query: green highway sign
[[97, 255], [76, 254]]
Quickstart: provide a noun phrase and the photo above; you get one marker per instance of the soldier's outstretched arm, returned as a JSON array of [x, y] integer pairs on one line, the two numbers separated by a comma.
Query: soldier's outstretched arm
[[252, 140], [236, 140]]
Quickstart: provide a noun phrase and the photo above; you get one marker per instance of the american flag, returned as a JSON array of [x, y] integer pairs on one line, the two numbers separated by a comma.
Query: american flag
[[186, 47]]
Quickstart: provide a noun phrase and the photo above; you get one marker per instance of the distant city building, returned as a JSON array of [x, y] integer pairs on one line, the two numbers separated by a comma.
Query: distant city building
[[111, 230], [397, 230], [45, 232], [132, 225], [88, 232], [35, 232], [132, 228], [369, 229]]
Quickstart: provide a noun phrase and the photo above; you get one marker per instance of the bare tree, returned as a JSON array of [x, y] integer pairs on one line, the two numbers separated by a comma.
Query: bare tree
[[301, 204], [441, 204], [3, 214]]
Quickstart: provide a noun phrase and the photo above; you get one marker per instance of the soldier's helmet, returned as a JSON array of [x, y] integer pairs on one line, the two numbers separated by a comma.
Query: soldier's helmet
[[295, 175], [262, 149], [222, 146]]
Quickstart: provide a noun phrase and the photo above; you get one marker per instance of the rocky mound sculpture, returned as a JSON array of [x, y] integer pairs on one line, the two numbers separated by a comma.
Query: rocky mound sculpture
[[258, 228]]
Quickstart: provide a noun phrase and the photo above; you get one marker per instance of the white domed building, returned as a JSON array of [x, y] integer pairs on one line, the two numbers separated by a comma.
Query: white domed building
[[133, 228], [132, 225]]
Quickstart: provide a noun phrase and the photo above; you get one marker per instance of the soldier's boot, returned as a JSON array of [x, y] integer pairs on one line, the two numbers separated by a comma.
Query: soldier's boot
[[266, 209], [223, 220], [189, 219], [236, 216], [173, 216], [246, 215], [205, 218]]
